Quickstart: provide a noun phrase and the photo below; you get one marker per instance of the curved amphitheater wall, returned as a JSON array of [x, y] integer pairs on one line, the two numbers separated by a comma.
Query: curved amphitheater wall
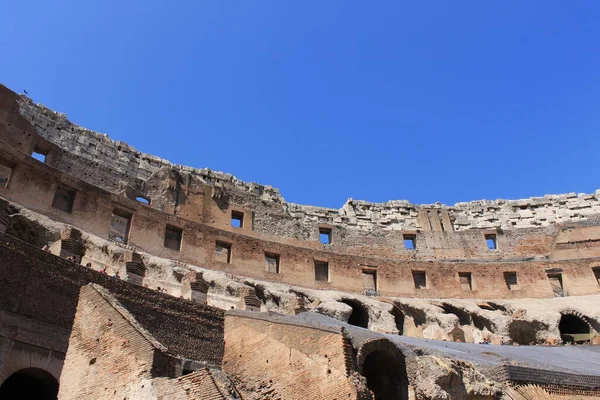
[[535, 238]]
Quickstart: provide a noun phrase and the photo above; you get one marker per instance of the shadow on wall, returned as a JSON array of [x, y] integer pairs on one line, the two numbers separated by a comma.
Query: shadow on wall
[[525, 332], [30, 383]]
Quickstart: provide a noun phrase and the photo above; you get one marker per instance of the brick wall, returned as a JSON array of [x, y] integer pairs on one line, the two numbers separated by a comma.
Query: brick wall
[[38, 285], [107, 356], [268, 359]]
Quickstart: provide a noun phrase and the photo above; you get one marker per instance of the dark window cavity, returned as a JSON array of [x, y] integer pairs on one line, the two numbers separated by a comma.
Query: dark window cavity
[[173, 236], [64, 198], [321, 271]]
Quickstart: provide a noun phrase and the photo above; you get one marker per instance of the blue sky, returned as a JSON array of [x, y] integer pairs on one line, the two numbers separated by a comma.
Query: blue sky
[[425, 101]]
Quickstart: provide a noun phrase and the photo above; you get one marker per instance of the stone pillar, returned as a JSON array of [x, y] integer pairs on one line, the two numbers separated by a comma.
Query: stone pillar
[[195, 288], [135, 269], [298, 304], [71, 244], [249, 301]]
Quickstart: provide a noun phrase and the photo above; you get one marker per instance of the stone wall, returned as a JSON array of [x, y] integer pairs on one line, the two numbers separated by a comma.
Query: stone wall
[[130, 167], [107, 355], [278, 360], [441, 255], [43, 289]]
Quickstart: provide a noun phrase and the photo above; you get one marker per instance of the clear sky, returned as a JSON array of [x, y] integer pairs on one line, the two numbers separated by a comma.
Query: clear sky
[[426, 101]]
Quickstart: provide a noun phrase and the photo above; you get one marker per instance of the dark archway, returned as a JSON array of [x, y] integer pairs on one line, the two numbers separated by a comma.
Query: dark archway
[[29, 383], [386, 376], [399, 319], [574, 329], [359, 316], [464, 318]]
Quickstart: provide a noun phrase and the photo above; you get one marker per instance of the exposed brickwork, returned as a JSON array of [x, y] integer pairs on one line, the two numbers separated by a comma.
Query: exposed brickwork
[[39, 285], [269, 360], [107, 355]]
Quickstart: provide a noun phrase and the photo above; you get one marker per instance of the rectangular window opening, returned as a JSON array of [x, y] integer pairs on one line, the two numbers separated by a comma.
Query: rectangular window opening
[[556, 283], [173, 236], [5, 172], [120, 223], [322, 271], [325, 235], [596, 271], [143, 200], [369, 279], [64, 198], [420, 279], [39, 155], [410, 242], [223, 252], [512, 282], [491, 241], [466, 282], [237, 219], [272, 262]]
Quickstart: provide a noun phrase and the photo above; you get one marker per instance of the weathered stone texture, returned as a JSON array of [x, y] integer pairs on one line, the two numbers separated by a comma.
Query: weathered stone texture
[[269, 360], [94, 152]]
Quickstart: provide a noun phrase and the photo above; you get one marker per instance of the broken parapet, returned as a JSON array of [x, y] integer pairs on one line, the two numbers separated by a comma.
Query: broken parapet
[[135, 268], [355, 214], [70, 244]]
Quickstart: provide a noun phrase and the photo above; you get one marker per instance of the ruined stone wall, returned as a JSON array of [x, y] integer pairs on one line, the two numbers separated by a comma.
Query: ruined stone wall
[[107, 355], [276, 360], [273, 215], [440, 255], [45, 288]]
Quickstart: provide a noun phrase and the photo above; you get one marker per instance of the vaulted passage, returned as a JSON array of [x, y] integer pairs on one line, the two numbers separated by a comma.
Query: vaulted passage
[[386, 376], [31, 384], [359, 316], [573, 329]]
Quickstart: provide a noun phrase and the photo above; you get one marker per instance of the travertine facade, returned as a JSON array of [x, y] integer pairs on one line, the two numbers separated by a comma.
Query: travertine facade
[[369, 290]]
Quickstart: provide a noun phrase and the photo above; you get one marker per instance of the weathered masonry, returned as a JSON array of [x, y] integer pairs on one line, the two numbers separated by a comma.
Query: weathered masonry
[[124, 276]]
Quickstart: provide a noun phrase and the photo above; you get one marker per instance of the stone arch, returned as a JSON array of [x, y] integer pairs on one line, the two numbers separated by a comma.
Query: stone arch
[[360, 314], [419, 317], [574, 328], [464, 318], [30, 383], [480, 322], [398, 318], [384, 367]]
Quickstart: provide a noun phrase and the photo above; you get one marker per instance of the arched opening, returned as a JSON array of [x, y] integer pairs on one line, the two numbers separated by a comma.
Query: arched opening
[[416, 314], [482, 323], [386, 376], [464, 318], [30, 383], [359, 316], [574, 329], [399, 319]]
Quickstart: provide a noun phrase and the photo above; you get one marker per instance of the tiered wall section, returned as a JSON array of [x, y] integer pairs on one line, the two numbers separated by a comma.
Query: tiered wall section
[[191, 213]]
